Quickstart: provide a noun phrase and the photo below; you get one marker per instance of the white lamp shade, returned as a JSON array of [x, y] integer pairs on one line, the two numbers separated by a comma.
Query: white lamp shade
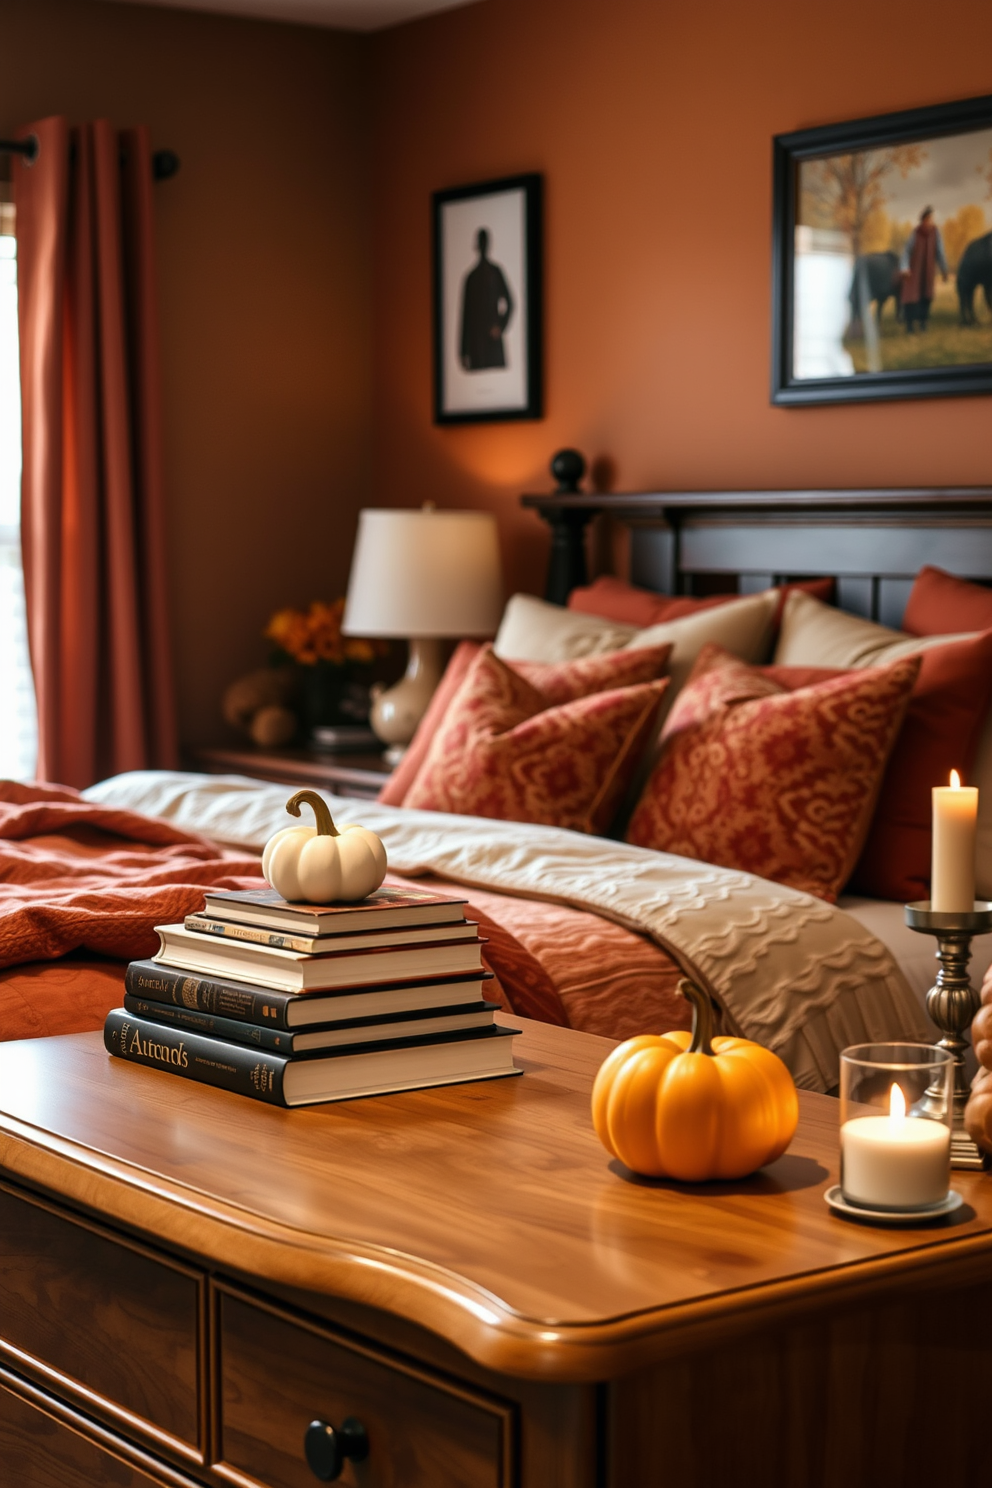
[[424, 573]]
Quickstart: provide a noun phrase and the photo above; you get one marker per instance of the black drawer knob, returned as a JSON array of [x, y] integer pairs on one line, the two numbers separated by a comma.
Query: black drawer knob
[[328, 1449]]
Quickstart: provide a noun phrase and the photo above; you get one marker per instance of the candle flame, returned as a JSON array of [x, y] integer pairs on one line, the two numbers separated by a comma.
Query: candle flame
[[897, 1104], [955, 780]]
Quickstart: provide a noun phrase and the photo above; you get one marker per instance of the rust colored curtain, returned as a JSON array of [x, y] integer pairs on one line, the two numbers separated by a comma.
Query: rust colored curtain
[[91, 493]]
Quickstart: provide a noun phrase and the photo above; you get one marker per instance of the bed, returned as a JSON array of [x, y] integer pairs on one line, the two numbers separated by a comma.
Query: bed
[[583, 930]]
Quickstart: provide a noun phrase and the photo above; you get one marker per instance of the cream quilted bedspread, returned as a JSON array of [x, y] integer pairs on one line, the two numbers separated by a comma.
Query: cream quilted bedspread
[[788, 970]]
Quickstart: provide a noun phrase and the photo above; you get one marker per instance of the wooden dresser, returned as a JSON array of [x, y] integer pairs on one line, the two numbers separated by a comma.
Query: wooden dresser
[[361, 776], [458, 1287]]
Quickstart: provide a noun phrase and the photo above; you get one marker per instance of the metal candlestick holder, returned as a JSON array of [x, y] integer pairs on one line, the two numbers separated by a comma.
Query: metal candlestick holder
[[953, 1002]]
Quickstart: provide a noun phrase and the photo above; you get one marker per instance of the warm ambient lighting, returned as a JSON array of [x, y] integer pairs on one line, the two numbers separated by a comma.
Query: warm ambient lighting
[[897, 1104], [955, 820], [425, 576]]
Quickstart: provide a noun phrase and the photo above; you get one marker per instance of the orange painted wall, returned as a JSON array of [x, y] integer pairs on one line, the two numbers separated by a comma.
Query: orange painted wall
[[262, 242], [652, 123]]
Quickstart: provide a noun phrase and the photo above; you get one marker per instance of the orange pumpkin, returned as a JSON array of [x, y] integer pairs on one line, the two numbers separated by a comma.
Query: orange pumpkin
[[679, 1106]]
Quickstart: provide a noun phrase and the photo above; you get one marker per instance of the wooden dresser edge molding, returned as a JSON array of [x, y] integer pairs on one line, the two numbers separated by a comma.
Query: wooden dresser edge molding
[[476, 1322]]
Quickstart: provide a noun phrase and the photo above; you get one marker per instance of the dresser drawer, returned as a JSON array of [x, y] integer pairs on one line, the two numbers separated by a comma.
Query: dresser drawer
[[100, 1318], [279, 1374]]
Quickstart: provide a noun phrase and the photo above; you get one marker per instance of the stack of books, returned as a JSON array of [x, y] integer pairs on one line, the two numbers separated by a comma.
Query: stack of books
[[299, 1003]]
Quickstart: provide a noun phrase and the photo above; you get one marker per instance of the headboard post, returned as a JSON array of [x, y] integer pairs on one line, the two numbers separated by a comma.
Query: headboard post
[[567, 568]]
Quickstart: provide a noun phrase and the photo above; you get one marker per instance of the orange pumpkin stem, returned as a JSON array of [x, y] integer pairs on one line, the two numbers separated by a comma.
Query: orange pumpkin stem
[[325, 822], [702, 1017]]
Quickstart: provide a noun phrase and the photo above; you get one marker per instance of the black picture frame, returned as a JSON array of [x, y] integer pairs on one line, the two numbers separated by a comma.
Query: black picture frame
[[886, 132], [487, 371]]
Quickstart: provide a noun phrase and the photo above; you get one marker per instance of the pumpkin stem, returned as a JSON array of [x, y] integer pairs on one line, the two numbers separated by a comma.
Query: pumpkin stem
[[325, 826], [702, 1017]]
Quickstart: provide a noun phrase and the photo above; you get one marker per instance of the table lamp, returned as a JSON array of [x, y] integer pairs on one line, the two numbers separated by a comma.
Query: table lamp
[[423, 576]]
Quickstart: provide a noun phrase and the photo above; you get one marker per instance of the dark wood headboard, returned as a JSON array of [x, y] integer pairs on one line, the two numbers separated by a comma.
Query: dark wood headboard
[[872, 541]]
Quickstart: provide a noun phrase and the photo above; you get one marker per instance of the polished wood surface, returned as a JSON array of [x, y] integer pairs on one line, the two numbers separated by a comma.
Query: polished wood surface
[[360, 776], [100, 1319], [45, 1446], [487, 1213], [278, 1375]]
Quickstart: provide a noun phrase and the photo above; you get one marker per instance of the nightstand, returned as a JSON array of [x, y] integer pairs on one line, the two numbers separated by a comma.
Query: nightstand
[[361, 776]]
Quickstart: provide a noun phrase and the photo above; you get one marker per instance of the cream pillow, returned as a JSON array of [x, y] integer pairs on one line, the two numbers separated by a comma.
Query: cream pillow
[[743, 627], [532, 630], [813, 634]]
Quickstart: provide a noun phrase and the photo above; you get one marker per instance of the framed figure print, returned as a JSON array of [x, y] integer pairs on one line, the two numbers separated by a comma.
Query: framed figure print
[[882, 257], [487, 301]]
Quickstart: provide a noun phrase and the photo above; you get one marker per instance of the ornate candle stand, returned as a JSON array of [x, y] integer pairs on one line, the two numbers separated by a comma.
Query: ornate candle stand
[[953, 1002]]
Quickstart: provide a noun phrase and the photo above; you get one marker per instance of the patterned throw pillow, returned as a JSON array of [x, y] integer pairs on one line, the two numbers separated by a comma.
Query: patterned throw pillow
[[779, 784], [502, 752], [559, 681]]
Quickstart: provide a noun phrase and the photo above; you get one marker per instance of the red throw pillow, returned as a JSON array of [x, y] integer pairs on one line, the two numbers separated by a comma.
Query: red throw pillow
[[502, 752], [611, 599], [559, 682], [776, 783], [940, 604], [939, 734]]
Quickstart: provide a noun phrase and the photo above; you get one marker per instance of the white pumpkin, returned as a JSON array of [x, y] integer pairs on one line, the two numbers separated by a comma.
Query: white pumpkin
[[320, 865]]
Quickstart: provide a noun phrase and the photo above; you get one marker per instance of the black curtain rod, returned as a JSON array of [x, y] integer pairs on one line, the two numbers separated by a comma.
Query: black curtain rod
[[165, 163]]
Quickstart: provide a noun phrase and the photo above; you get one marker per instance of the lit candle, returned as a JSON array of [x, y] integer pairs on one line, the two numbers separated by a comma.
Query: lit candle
[[952, 878], [895, 1162]]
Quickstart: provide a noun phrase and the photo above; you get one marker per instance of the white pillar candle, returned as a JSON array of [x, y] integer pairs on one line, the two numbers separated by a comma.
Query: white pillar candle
[[952, 878], [895, 1162]]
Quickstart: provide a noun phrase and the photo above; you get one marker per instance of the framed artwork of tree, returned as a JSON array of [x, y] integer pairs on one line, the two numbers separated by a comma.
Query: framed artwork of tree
[[487, 301], [882, 257]]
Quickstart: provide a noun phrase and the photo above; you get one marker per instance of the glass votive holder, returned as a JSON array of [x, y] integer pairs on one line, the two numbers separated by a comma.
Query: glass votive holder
[[896, 1116]]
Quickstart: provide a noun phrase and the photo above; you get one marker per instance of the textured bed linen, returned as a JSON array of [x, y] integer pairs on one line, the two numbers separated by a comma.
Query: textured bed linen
[[78, 877], [76, 874], [71, 995], [800, 976]]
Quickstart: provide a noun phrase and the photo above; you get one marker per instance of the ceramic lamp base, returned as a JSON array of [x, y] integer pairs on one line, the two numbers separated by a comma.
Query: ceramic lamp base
[[397, 711]]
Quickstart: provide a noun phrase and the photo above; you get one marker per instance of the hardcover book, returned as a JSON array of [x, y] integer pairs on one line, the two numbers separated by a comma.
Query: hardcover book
[[341, 1074], [410, 1027], [322, 945], [295, 971], [273, 1009], [389, 905]]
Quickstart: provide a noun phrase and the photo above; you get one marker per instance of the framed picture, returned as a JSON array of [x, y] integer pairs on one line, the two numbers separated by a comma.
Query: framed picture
[[882, 257], [487, 301]]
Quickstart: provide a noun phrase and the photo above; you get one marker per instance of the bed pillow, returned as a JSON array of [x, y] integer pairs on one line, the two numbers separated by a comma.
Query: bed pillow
[[776, 783], [535, 631], [948, 726], [940, 732], [815, 634], [558, 682], [940, 604], [612, 599], [502, 752]]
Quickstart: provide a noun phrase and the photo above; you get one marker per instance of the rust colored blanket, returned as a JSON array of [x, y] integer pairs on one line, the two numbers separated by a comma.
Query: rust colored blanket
[[82, 887], [74, 875]]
